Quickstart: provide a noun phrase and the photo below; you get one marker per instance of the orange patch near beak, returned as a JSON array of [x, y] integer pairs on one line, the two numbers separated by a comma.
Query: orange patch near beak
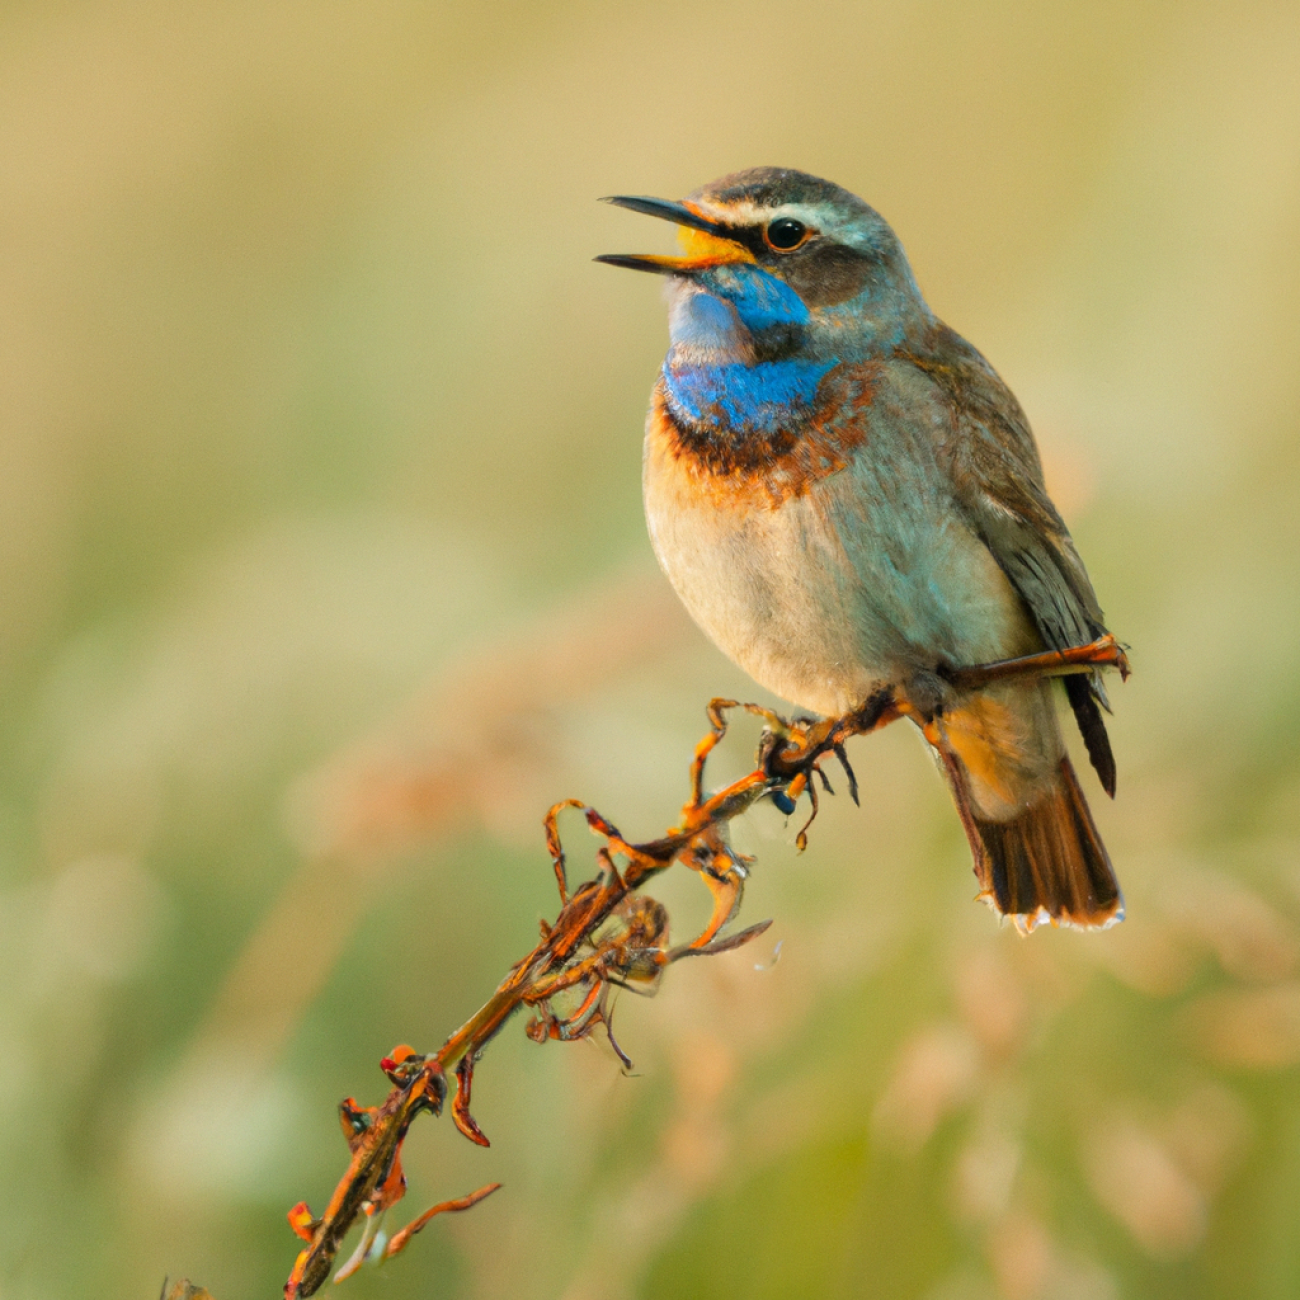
[[704, 249]]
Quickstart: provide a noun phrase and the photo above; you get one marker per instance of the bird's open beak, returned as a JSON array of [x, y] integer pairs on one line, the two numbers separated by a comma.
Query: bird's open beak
[[707, 242]]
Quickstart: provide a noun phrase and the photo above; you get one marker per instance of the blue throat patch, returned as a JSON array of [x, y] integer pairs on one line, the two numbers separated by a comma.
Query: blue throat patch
[[742, 309], [736, 398]]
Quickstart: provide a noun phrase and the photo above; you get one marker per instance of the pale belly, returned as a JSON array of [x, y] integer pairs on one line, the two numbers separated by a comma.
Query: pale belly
[[868, 577]]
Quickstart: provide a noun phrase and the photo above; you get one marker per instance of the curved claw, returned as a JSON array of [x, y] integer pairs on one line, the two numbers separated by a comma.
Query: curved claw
[[842, 755]]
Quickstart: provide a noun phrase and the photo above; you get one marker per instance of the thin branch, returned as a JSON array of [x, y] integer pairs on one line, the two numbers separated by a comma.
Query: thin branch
[[607, 935]]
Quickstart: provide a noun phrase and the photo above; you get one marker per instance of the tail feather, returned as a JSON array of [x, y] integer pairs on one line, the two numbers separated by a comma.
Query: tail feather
[[1087, 712], [1047, 863]]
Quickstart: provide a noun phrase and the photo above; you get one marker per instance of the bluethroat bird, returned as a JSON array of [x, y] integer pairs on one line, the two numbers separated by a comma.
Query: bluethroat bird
[[846, 496]]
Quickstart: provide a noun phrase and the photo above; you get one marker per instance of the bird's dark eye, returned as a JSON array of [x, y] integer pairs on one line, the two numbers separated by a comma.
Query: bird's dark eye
[[785, 234]]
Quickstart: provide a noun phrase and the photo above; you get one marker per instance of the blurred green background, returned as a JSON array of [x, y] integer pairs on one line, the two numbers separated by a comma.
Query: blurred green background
[[323, 574]]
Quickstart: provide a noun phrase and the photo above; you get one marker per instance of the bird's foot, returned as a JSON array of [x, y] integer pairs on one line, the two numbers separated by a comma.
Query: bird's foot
[[793, 762]]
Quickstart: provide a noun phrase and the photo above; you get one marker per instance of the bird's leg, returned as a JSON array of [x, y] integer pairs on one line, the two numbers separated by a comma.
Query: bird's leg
[[1102, 653]]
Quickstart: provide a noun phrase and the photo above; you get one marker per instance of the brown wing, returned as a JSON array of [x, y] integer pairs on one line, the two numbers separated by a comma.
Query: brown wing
[[998, 482]]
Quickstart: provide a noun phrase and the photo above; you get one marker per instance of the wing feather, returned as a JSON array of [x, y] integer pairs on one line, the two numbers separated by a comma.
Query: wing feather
[[997, 480]]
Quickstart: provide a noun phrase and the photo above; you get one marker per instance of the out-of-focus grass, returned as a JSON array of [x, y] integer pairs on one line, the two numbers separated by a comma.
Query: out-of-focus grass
[[316, 415]]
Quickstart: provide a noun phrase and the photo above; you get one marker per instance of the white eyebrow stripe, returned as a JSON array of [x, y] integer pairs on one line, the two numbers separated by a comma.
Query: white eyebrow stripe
[[748, 213]]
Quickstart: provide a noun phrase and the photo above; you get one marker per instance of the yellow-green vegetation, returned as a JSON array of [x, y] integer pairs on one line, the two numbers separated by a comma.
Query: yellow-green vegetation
[[323, 574]]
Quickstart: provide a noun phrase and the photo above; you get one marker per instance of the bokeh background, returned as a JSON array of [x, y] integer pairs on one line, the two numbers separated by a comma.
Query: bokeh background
[[323, 573]]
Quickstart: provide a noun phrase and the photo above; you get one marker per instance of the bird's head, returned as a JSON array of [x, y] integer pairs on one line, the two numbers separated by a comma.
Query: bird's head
[[778, 262]]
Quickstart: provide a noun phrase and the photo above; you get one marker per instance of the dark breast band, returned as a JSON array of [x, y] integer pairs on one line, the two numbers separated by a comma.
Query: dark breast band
[[764, 468]]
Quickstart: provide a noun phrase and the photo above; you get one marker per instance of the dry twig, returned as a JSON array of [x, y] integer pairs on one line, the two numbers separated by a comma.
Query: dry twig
[[606, 935]]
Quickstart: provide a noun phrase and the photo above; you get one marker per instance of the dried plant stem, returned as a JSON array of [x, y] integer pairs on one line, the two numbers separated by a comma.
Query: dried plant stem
[[606, 935]]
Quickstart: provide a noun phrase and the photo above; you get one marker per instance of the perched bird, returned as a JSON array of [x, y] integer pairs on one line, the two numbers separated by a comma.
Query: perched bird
[[845, 495]]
